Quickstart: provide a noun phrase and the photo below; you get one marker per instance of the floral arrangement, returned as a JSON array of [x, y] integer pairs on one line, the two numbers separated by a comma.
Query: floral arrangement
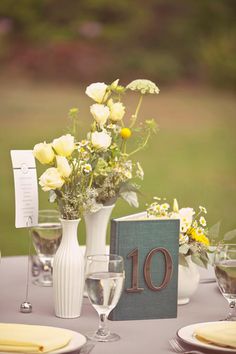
[[84, 175], [193, 238]]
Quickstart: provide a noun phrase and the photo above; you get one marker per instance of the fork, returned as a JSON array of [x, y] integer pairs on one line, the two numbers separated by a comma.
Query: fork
[[179, 349]]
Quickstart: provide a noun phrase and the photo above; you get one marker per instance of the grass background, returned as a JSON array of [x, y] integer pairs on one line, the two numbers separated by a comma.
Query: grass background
[[192, 158]]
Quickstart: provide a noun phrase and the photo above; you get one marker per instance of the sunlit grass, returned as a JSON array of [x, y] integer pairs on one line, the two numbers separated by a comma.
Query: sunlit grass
[[192, 157]]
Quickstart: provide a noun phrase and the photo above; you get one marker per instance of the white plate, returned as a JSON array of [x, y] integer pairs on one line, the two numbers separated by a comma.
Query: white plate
[[186, 335], [77, 341]]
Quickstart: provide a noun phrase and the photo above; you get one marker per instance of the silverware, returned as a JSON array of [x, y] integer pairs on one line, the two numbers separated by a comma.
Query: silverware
[[86, 349], [179, 349]]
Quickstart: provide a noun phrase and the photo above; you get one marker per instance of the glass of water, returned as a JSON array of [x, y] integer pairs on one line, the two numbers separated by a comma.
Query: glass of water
[[46, 238], [225, 271], [104, 284]]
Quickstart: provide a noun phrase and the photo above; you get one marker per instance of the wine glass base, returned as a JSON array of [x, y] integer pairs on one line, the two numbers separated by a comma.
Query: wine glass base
[[111, 337], [41, 282]]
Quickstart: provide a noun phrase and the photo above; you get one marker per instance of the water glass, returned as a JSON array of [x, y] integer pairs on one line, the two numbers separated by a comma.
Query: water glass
[[46, 238], [104, 283], [225, 271]]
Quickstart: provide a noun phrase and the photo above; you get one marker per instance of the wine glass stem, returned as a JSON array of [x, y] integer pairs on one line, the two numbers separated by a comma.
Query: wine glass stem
[[103, 328], [232, 310]]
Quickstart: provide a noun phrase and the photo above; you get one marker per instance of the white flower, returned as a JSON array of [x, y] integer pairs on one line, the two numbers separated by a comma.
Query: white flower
[[51, 179], [101, 140], [165, 206], [202, 209], [183, 239], [64, 146], [100, 113], [175, 206], [117, 110], [63, 166], [202, 221], [97, 92], [144, 86], [44, 153], [87, 168], [186, 216]]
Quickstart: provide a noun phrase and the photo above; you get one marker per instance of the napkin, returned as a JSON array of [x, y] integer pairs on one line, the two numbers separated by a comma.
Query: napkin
[[222, 334], [32, 339]]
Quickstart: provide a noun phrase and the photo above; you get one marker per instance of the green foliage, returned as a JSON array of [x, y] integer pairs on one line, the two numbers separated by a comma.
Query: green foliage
[[161, 39]]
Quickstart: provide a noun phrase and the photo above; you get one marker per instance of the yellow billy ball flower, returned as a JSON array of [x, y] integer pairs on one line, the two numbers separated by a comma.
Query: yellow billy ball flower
[[125, 133]]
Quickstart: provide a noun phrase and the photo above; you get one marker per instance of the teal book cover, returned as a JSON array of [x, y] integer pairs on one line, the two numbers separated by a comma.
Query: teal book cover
[[150, 249]]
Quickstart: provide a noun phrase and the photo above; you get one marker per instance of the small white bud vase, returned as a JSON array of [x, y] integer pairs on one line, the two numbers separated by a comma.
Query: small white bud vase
[[188, 281], [96, 229], [68, 273]]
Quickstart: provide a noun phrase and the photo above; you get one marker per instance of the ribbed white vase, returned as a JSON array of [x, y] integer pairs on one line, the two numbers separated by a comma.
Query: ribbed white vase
[[96, 230], [188, 281], [68, 273]]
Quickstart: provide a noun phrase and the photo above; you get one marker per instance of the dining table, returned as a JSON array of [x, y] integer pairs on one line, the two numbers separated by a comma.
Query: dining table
[[137, 337]]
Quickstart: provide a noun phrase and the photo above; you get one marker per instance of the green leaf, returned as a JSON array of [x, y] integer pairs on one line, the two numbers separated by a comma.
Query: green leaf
[[230, 235], [199, 261], [131, 198], [183, 249], [214, 233], [182, 260]]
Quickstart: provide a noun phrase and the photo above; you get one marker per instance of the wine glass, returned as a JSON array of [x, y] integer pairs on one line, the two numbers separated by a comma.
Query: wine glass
[[46, 238], [104, 284], [225, 271]]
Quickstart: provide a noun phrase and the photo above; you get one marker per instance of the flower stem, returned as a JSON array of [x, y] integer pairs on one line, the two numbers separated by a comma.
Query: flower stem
[[135, 115]]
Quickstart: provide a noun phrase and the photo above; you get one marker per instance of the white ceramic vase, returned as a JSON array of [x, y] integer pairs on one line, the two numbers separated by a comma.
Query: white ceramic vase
[[68, 273], [188, 281], [96, 230]]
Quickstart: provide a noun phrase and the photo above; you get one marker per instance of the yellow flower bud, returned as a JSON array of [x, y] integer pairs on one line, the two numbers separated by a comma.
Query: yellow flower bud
[[125, 133]]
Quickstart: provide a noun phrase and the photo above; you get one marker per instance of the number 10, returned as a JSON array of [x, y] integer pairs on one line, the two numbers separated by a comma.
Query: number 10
[[147, 270]]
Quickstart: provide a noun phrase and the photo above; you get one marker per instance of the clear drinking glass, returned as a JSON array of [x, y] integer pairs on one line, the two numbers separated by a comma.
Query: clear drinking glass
[[46, 238], [104, 284], [225, 271]]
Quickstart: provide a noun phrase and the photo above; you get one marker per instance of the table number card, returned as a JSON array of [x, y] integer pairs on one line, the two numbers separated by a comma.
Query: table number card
[[26, 188], [150, 248]]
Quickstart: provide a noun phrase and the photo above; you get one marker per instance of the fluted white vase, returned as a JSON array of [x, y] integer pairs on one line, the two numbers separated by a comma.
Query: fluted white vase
[[68, 273], [96, 230], [188, 281]]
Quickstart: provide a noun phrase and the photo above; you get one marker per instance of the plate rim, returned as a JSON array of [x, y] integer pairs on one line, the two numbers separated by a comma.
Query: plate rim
[[201, 344], [66, 348]]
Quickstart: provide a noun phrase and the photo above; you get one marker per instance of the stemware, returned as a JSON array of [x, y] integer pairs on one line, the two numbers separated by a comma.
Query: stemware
[[104, 284], [225, 271], [46, 238]]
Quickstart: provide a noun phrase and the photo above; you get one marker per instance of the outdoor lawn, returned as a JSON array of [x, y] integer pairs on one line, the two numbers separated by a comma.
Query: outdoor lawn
[[192, 158]]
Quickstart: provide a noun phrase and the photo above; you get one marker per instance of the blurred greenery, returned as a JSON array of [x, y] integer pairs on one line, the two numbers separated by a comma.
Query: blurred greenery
[[192, 158], [86, 40]]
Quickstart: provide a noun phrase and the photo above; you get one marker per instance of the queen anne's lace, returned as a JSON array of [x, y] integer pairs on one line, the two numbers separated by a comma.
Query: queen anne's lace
[[144, 86]]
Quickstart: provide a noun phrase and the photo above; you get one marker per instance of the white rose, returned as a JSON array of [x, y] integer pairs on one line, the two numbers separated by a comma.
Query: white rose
[[101, 140], [44, 153], [64, 145], [63, 166], [100, 113], [97, 92], [117, 110], [51, 179], [186, 217]]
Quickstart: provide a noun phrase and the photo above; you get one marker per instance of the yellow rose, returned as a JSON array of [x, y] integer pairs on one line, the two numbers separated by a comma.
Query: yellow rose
[[51, 179], [100, 113], [44, 153], [64, 146], [117, 110], [63, 166], [97, 92]]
